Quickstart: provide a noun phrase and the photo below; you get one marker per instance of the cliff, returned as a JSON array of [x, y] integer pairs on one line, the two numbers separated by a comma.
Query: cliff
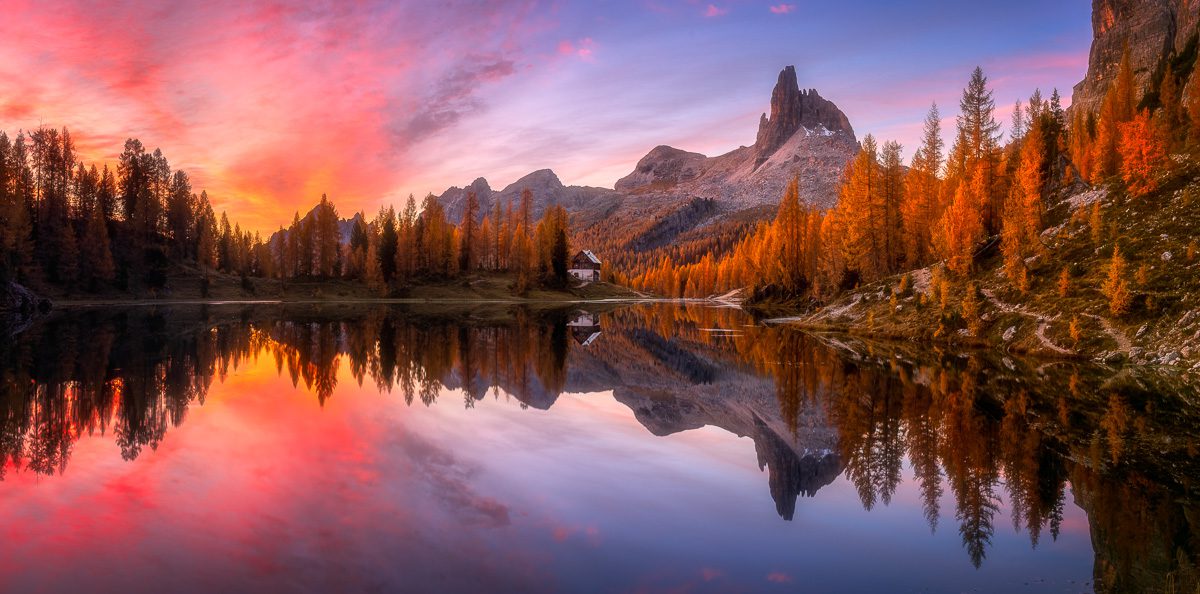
[[1153, 30]]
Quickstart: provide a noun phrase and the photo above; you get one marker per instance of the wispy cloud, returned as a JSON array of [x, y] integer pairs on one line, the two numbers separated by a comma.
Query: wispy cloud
[[584, 49], [715, 11], [266, 105], [782, 8]]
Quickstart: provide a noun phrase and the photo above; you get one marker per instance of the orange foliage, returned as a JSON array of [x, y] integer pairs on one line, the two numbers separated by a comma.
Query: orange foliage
[[1143, 152]]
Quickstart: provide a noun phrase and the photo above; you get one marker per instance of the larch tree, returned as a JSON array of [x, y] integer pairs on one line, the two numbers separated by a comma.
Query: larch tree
[[468, 234], [922, 204], [1116, 109], [1020, 236], [1116, 285], [1169, 100], [1143, 151], [962, 229], [791, 228], [893, 198], [860, 204], [980, 130]]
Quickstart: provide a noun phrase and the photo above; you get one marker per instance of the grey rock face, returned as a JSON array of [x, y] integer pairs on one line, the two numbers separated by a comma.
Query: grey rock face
[[1151, 29]]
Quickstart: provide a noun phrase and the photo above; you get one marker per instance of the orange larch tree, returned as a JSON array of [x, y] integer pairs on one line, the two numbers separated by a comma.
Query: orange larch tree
[[1143, 150]]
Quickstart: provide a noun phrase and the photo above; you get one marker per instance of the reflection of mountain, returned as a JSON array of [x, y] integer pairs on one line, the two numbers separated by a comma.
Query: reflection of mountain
[[674, 385]]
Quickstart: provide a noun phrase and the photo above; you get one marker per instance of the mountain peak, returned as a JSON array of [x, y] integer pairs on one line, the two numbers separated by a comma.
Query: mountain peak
[[793, 108]]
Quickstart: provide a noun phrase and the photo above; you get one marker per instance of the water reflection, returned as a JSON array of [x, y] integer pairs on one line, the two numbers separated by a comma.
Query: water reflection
[[1002, 437]]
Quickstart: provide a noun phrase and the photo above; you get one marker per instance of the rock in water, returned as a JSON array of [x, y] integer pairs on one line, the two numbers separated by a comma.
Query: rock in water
[[18, 307]]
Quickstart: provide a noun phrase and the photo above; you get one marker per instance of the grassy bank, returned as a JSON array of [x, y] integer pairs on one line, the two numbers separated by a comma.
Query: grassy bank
[[187, 286]]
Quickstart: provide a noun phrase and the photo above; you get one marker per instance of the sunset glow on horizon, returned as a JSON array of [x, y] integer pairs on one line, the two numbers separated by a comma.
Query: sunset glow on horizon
[[267, 106]]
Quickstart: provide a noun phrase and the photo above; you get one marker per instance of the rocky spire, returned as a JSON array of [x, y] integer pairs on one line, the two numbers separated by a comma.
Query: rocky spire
[[792, 108]]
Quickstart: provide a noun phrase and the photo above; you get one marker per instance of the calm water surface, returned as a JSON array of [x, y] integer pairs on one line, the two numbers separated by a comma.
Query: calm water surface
[[630, 449]]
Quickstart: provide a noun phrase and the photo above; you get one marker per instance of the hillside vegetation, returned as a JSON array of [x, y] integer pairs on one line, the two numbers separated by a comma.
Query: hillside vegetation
[[1066, 310]]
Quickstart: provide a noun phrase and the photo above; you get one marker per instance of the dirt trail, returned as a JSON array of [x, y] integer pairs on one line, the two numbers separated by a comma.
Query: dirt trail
[[1121, 339], [1043, 321]]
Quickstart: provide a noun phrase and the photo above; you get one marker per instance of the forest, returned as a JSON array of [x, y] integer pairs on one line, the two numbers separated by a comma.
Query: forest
[[80, 229]]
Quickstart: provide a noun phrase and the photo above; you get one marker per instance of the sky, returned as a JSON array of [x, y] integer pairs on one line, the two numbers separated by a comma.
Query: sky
[[267, 105]]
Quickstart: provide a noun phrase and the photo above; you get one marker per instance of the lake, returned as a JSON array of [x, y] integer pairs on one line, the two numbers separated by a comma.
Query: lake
[[584, 448]]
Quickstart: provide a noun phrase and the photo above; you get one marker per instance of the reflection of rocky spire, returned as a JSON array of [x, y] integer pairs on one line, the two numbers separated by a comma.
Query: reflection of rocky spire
[[790, 474]]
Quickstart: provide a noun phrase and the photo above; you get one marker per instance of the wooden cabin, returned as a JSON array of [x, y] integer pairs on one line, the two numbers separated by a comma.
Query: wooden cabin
[[585, 266]]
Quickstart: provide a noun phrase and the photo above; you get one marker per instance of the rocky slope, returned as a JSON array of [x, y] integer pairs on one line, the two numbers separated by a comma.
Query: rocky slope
[[804, 136], [1153, 30]]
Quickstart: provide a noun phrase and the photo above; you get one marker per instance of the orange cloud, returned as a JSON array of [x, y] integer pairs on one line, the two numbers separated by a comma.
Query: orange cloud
[[265, 105]]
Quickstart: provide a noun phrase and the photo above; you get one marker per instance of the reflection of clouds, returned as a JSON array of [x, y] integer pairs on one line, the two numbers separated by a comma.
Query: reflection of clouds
[[779, 577], [450, 481]]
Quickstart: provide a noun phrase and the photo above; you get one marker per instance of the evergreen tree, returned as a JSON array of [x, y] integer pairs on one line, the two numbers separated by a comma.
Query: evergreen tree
[[179, 215], [1143, 151], [922, 206], [98, 264], [327, 238], [385, 221], [468, 234]]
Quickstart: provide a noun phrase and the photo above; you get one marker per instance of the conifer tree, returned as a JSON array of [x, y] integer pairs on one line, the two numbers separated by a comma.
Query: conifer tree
[[893, 197], [860, 204], [1116, 286], [1143, 151], [179, 214], [468, 234], [385, 251], [326, 238], [922, 206], [962, 228], [97, 252]]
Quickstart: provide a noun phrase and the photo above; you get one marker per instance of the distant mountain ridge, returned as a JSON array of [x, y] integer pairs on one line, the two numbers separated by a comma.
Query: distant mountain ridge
[[672, 195], [546, 187]]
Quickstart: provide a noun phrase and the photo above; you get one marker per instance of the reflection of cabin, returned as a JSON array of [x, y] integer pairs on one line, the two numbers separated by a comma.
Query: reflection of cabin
[[585, 266], [585, 328]]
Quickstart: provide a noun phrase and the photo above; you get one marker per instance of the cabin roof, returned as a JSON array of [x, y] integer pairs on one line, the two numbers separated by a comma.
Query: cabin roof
[[589, 255]]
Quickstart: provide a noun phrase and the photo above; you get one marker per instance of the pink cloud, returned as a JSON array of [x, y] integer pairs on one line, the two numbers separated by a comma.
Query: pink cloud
[[266, 106], [782, 8], [584, 49], [714, 11]]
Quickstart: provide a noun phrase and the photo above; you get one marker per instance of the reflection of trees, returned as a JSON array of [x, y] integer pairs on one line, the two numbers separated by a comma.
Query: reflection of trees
[[135, 374], [991, 435], [966, 426]]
